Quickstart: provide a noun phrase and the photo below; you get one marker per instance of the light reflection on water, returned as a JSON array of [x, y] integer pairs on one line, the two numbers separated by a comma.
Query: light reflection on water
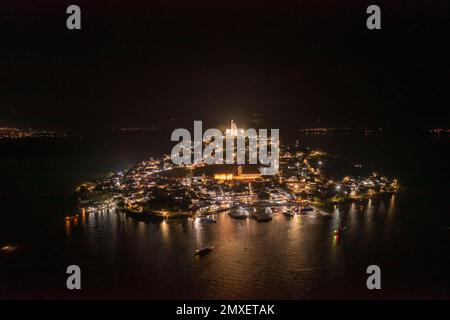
[[132, 259], [284, 258]]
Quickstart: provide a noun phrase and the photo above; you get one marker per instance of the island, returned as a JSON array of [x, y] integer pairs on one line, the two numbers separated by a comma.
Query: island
[[156, 189]]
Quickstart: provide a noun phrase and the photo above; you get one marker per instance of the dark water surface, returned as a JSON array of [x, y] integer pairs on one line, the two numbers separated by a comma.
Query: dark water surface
[[407, 235]]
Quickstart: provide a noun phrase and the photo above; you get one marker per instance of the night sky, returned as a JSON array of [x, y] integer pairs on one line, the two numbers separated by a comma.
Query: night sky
[[298, 63]]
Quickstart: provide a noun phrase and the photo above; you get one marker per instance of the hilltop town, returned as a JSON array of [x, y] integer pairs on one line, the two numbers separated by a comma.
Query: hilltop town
[[158, 189]]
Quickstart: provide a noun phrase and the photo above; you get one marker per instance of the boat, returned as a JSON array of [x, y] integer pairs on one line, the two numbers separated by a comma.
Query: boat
[[338, 231], [207, 219], [288, 213], [266, 216], [240, 213], [306, 208], [8, 249], [72, 218], [203, 251]]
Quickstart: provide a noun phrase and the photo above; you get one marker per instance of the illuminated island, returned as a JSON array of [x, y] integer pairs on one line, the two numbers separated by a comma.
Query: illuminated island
[[157, 189]]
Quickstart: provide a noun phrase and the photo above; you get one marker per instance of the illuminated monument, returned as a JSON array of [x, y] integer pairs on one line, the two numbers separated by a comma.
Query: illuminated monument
[[233, 131]]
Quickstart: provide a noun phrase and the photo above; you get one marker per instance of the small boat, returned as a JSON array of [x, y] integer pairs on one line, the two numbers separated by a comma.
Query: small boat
[[7, 249], [266, 216], [239, 214], [288, 213], [203, 251], [339, 229], [70, 218], [207, 219], [306, 208]]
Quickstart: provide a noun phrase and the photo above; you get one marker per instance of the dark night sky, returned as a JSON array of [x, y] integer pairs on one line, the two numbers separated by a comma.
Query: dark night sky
[[140, 63]]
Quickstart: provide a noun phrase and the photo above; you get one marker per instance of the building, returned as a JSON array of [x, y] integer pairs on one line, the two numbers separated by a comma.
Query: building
[[233, 131], [240, 176]]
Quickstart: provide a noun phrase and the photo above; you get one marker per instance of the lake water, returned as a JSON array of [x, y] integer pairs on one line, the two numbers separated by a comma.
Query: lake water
[[407, 235]]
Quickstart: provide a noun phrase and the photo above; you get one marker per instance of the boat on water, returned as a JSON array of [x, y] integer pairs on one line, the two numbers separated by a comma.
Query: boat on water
[[7, 249], [266, 216], [240, 213], [338, 231], [203, 251], [71, 218], [207, 219], [288, 213]]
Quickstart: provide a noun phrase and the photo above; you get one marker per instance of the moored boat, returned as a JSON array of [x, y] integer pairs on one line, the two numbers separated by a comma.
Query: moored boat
[[306, 208], [266, 216], [288, 213], [71, 218], [203, 251], [240, 213], [207, 219]]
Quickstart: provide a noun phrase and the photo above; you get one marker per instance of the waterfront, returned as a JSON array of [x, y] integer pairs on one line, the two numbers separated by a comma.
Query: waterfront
[[298, 258]]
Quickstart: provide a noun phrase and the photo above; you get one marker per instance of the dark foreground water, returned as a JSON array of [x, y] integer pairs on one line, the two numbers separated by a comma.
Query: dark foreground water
[[407, 235]]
